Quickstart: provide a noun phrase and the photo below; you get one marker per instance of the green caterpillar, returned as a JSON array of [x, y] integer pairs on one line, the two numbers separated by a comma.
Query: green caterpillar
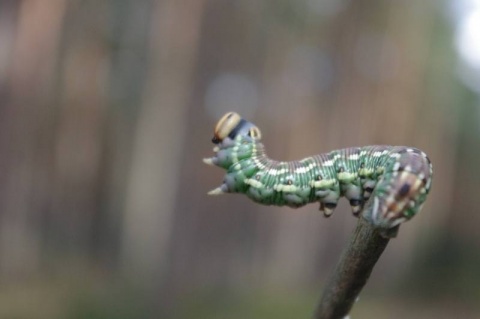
[[388, 183]]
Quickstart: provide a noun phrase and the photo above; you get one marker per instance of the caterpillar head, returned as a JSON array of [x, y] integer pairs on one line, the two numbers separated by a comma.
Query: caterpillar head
[[234, 138], [232, 125]]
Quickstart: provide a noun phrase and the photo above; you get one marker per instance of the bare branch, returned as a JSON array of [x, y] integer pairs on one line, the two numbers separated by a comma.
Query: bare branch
[[352, 271]]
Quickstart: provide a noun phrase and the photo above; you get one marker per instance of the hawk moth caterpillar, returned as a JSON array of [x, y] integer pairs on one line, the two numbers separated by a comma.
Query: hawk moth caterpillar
[[388, 183]]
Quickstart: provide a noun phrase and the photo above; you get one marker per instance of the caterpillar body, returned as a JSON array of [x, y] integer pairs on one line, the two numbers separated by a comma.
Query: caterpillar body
[[388, 183]]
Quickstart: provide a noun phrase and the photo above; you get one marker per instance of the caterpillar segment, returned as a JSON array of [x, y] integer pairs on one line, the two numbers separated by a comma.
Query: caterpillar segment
[[386, 184]]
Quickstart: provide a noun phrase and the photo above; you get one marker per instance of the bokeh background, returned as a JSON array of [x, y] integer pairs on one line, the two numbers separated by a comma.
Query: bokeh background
[[107, 109]]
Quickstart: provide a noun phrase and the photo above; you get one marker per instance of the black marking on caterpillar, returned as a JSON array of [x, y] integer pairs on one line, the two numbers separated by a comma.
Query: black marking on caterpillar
[[388, 183]]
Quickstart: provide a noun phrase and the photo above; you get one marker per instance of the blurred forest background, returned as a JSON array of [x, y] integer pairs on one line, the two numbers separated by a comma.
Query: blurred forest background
[[108, 107]]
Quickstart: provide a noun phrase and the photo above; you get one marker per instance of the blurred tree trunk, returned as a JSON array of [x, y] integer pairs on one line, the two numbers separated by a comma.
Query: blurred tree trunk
[[129, 36], [26, 130], [160, 137]]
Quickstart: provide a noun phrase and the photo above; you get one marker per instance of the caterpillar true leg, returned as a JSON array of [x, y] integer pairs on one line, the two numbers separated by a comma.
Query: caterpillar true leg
[[388, 183]]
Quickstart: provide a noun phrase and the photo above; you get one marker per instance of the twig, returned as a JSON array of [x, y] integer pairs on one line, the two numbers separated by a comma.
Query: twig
[[352, 271]]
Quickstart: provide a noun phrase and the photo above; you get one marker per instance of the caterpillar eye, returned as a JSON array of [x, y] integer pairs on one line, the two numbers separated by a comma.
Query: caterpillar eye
[[215, 140], [255, 133]]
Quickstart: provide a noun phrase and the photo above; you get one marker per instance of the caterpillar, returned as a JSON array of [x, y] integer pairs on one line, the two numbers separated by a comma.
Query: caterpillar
[[388, 183]]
